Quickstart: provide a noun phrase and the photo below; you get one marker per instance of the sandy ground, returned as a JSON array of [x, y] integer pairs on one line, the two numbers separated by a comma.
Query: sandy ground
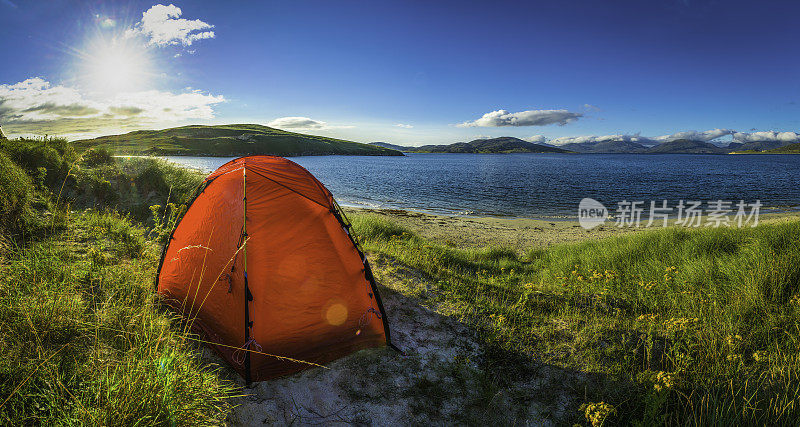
[[437, 381]]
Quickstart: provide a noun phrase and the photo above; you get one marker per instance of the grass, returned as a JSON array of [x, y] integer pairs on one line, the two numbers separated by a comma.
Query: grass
[[91, 345], [229, 140], [83, 337], [15, 198], [682, 326], [672, 326]]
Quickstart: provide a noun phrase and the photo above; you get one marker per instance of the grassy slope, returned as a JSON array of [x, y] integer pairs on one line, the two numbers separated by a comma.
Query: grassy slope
[[229, 140], [679, 326], [789, 149]]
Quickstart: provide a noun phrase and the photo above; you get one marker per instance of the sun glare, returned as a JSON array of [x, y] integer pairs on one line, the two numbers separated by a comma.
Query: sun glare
[[114, 66]]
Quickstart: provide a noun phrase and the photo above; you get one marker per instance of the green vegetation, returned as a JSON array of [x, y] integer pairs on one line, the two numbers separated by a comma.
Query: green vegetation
[[229, 141], [789, 149], [671, 326], [675, 326], [15, 198], [83, 338]]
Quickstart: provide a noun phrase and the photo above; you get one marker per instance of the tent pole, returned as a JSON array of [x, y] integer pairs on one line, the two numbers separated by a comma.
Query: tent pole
[[247, 297]]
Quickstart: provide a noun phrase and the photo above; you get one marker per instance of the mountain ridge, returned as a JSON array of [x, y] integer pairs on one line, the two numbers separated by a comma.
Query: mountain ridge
[[229, 141], [499, 145]]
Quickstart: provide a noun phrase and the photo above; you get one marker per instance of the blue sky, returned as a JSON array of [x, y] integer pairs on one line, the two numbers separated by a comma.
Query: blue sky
[[408, 72]]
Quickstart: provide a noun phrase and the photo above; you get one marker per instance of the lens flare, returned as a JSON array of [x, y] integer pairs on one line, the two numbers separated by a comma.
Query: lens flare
[[114, 65], [336, 314]]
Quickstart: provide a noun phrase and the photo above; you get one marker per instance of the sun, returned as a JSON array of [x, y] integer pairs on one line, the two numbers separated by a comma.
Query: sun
[[115, 65]]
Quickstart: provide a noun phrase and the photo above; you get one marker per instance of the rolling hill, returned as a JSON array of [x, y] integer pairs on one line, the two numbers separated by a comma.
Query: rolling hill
[[229, 141], [396, 147], [606, 147], [756, 145], [789, 149], [503, 145], [686, 146]]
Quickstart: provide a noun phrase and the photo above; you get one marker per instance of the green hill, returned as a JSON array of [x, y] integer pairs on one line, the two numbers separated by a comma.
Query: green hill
[[228, 141], [395, 147], [503, 144], [686, 146], [789, 149]]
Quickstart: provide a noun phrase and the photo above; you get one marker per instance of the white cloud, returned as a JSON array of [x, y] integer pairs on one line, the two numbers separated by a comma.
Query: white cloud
[[297, 123], [404, 126], [304, 123], [523, 118], [704, 136], [35, 106], [593, 139], [536, 139], [163, 26], [766, 136]]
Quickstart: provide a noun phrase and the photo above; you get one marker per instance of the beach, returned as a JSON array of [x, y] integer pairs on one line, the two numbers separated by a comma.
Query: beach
[[517, 233]]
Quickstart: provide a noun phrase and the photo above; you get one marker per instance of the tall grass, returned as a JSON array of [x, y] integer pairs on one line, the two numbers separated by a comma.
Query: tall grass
[[690, 326], [15, 197], [83, 338], [84, 341]]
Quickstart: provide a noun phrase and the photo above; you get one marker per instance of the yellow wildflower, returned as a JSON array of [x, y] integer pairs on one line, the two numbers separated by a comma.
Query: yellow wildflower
[[650, 318], [733, 340], [680, 323], [596, 413], [663, 381]]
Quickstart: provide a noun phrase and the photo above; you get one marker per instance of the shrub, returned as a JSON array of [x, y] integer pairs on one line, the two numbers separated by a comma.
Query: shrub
[[49, 159], [16, 190], [96, 157], [161, 179]]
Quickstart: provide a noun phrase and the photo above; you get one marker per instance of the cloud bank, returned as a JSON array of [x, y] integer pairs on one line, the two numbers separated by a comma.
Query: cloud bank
[[35, 106], [523, 118], [711, 136], [163, 26], [766, 136]]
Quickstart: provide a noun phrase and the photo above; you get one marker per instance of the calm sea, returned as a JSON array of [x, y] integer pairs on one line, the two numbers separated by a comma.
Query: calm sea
[[545, 185]]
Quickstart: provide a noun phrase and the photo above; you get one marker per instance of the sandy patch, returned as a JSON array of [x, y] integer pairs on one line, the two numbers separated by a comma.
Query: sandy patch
[[517, 233]]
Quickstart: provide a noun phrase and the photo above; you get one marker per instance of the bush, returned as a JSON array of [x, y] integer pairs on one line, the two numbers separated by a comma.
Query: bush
[[48, 158], [94, 186], [16, 191], [96, 157], [161, 178]]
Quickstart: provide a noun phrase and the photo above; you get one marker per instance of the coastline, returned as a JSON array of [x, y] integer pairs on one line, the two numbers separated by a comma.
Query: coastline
[[516, 233]]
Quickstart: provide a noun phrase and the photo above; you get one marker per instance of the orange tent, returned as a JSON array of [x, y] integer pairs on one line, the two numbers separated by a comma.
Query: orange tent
[[263, 264]]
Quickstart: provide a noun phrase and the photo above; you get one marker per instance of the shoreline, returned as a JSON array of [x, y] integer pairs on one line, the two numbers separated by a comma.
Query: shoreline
[[516, 233]]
